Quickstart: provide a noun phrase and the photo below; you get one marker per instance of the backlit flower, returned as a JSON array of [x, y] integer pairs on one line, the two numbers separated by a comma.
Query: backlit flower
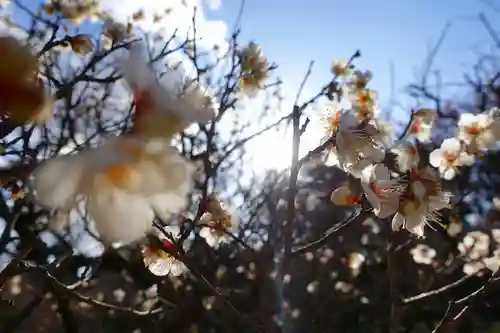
[[381, 191], [407, 156], [356, 141], [421, 124], [125, 183], [218, 222], [478, 131], [162, 112], [420, 204], [161, 260]]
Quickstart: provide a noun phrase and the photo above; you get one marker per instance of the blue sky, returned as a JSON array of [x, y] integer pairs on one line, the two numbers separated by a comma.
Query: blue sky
[[399, 31]]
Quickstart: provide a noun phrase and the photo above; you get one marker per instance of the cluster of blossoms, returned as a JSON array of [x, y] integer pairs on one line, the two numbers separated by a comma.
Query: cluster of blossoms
[[410, 191], [23, 97], [254, 69]]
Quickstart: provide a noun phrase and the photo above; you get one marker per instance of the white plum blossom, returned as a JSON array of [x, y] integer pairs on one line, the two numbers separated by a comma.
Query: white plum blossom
[[421, 124], [356, 140], [449, 157], [423, 254], [421, 204], [125, 182], [478, 131], [217, 224], [160, 260], [381, 191], [162, 112]]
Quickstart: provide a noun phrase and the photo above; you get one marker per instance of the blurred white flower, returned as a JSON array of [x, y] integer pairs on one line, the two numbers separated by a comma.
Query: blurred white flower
[[473, 267], [478, 131], [475, 245], [449, 157], [421, 125], [119, 295], [341, 68], [381, 191], [359, 79], [454, 228], [423, 254], [312, 287], [355, 260], [495, 234], [161, 112], [125, 182], [493, 262]]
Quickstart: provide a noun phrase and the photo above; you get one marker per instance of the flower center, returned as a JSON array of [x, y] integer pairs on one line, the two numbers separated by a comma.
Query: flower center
[[473, 129], [411, 150], [409, 207], [365, 98], [334, 120], [354, 199], [450, 156], [415, 127], [121, 175]]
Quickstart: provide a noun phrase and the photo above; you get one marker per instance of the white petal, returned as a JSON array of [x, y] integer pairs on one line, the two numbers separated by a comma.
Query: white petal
[[466, 119], [436, 157], [466, 159], [371, 196], [418, 189], [483, 120], [451, 145], [167, 204], [366, 173], [158, 266], [341, 196], [397, 221], [177, 268], [137, 72], [449, 174], [56, 181], [381, 173], [388, 207], [347, 121], [118, 216]]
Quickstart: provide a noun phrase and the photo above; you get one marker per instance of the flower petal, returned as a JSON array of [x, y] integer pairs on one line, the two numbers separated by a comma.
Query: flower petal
[[56, 181]]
